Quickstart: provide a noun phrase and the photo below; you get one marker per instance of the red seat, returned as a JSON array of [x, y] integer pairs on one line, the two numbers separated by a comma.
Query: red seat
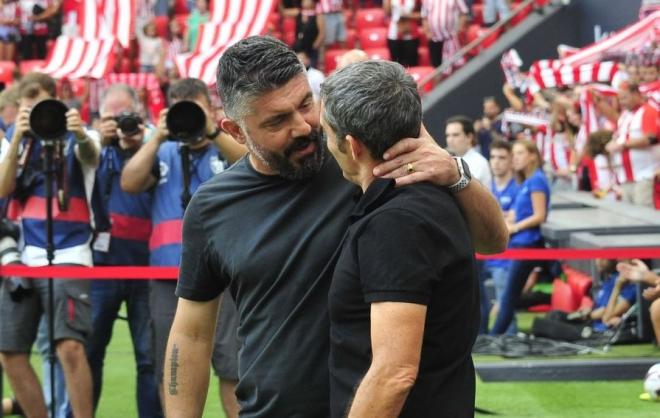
[[351, 37], [125, 65], [418, 73], [373, 38], [369, 18], [478, 14], [520, 16], [348, 18], [562, 297], [7, 71], [331, 56], [30, 65], [580, 283], [491, 39], [181, 7], [378, 53], [289, 25], [274, 19], [162, 26], [79, 87], [289, 38]]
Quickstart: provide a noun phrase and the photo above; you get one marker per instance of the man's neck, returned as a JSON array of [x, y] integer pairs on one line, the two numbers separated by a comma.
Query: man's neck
[[503, 180], [365, 175]]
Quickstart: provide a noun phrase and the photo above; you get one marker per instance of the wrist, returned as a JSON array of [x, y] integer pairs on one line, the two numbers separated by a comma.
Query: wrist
[[214, 134], [81, 138]]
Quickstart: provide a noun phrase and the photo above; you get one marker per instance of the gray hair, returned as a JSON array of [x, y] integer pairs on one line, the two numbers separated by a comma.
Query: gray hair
[[251, 68], [121, 88], [375, 102]]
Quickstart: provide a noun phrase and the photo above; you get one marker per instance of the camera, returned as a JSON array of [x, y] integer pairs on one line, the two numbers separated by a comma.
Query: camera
[[129, 123], [48, 119], [9, 233], [186, 122]]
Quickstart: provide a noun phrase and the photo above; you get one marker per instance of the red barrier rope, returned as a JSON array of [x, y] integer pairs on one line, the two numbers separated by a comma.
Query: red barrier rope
[[171, 273]]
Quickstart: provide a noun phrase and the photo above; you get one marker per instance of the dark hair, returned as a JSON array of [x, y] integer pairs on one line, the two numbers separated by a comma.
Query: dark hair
[[491, 99], [187, 89], [501, 144], [597, 142], [251, 68], [374, 101], [32, 83], [466, 123]]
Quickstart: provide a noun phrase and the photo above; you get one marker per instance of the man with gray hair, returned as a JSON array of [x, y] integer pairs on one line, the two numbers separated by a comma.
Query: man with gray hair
[[400, 332], [267, 228]]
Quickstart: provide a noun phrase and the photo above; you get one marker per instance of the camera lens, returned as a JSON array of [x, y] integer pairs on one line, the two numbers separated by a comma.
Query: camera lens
[[129, 123], [186, 121], [48, 119]]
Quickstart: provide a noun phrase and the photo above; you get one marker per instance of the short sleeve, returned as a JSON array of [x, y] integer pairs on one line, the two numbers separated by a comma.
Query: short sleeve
[[629, 293], [463, 7], [537, 184], [200, 275], [396, 258]]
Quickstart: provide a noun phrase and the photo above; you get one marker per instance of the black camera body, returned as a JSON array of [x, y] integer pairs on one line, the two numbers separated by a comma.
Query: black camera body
[[186, 122], [129, 123], [48, 119]]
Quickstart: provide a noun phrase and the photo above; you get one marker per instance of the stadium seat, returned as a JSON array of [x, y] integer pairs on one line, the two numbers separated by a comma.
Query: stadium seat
[[275, 19], [289, 25], [126, 65], [580, 283], [373, 38], [181, 7], [424, 57], [289, 38], [520, 16], [472, 34], [348, 18], [369, 18], [418, 73], [562, 297], [7, 72], [162, 26], [351, 38], [478, 14], [378, 53], [331, 56], [30, 65]]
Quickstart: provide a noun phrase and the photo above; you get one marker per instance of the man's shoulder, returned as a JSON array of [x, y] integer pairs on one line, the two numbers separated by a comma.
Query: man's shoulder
[[423, 201]]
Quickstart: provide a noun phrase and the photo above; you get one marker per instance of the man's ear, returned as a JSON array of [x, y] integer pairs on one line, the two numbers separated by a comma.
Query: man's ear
[[233, 129], [355, 147]]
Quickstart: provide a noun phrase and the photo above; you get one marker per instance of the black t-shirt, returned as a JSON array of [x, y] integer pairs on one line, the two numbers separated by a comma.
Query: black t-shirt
[[408, 244], [269, 240]]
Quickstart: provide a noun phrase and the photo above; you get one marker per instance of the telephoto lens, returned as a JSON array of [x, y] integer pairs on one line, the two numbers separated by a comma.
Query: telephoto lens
[[9, 234], [48, 119], [129, 123], [186, 122]]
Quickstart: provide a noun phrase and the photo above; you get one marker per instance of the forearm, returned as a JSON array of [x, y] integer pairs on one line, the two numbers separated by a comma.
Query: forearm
[[137, 171], [379, 395], [484, 218], [88, 152], [609, 311], [637, 143], [186, 375], [530, 222], [8, 169]]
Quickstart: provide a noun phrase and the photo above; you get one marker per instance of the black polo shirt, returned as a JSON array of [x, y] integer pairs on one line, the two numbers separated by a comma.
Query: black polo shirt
[[408, 244], [269, 240]]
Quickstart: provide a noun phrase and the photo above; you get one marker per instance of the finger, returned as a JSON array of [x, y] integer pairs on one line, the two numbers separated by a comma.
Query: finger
[[397, 167], [414, 177], [402, 147]]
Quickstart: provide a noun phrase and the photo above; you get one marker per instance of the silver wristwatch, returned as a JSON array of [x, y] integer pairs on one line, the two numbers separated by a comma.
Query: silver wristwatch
[[464, 171]]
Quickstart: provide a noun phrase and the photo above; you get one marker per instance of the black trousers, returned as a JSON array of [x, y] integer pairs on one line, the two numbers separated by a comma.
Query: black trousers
[[404, 51], [33, 47], [435, 53]]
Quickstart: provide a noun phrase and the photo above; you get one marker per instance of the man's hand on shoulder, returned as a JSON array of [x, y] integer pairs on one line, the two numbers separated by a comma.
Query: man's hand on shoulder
[[412, 160]]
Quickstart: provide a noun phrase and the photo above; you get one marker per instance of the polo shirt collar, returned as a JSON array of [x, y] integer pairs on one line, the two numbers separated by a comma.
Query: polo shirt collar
[[373, 197]]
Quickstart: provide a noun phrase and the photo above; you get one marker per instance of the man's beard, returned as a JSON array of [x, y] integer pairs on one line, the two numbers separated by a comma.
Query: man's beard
[[306, 166]]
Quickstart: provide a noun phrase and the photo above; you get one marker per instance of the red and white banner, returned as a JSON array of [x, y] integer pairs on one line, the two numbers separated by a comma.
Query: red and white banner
[[554, 73], [77, 58], [102, 19], [231, 21]]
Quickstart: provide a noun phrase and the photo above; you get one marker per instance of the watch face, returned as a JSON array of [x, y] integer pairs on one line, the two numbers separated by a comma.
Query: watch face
[[466, 169]]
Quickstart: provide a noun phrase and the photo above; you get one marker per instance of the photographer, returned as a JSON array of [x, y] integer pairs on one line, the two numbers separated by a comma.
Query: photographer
[[158, 166], [77, 157], [123, 224]]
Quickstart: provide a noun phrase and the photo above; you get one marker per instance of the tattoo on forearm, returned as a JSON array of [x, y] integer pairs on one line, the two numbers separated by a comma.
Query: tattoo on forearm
[[174, 365]]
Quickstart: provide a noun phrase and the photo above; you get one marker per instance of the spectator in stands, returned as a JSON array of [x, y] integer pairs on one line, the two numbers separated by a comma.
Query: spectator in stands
[[334, 24], [529, 211], [648, 70], [403, 30], [68, 97], [8, 108], [606, 184], [9, 21], [443, 20], [72, 236], [636, 271], [494, 10], [559, 148], [636, 143], [489, 127], [314, 76], [123, 225], [505, 189], [350, 57], [310, 32], [197, 18], [462, 141], [35, 15], [613, 299], [158, 167], [151, 49]]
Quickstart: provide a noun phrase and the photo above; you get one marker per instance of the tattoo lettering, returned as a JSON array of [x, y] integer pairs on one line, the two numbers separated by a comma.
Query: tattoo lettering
[[174, 365]]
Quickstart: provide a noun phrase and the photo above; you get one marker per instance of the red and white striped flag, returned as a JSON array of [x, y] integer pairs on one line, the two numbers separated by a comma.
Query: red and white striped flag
[[101, 19], [553, 73], [76, 58], [231, 21]]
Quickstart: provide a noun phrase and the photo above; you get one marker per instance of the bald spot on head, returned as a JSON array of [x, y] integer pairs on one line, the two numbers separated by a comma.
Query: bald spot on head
[[351, 57]]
